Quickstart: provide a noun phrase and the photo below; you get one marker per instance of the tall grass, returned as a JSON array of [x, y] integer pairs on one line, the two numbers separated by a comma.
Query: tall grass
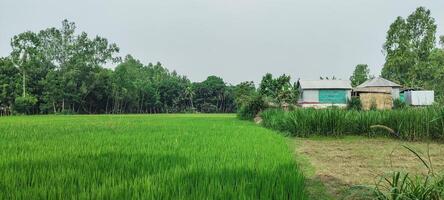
[[399, 185], [409, 124], [144, 157]]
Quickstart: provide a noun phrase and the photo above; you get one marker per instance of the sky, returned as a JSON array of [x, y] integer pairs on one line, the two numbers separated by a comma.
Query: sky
[[238, 40]]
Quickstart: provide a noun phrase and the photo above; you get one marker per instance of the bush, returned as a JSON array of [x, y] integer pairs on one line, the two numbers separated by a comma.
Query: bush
[[24, 105], [354, 104], [408, 124], [251, 107], [398, 104]]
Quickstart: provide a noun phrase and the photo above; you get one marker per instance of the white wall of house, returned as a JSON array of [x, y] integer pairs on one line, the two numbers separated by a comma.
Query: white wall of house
[[349, 94], [395, 93], [310, 96], [322, 106]]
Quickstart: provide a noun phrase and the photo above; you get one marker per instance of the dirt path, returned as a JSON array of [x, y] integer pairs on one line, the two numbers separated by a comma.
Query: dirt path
[[342, 163]]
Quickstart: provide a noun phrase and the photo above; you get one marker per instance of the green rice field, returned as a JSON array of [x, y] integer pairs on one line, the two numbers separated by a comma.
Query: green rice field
[[176, 156]]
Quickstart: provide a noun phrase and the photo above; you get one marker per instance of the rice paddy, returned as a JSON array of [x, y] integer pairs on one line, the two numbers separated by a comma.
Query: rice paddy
[[144, 157]]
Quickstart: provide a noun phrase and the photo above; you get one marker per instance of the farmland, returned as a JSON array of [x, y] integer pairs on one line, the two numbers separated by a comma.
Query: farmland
[[340, 168], [178, 156]]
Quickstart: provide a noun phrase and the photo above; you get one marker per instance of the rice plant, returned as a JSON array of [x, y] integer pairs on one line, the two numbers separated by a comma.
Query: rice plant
[[144, 157]]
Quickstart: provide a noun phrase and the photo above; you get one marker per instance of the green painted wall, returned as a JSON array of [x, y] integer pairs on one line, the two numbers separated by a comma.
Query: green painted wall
[[333, 96], [402, 97]]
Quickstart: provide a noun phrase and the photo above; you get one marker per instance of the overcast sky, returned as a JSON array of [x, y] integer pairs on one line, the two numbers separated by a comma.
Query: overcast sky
[[237, 40]]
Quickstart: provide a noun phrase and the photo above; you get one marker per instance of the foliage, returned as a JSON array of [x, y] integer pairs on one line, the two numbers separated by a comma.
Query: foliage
[[252, 107], [354, 104], [212, 95], [64, 71], [144, 157], [398, 104], [408, 124], [400, 186], [9, 76], [24, 105], [360, 75], [279, 89], [243, 92], [412, 57]]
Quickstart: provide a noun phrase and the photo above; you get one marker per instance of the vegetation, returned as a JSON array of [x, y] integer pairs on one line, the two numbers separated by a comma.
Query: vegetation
[[144, 157], [398, 104], [412, 57], [354, 104], [360, 75], [279, 90], [409, 124], [403, 186], [349, 167], [63, 72], [252, 107]]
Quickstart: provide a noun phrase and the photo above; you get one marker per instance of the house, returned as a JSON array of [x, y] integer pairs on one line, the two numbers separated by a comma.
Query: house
[[324, 93], [377, 92]]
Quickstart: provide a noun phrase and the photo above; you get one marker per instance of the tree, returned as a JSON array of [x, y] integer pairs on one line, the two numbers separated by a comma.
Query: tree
[[243, 92], [213, 95], [24, 45], [267, 87], [408, 46], [9, 84], [189, 94], [280, 89], [360, 75]]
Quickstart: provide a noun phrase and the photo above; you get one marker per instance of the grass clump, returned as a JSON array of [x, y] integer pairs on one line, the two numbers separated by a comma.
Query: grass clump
[[403, 186], [408, 123]]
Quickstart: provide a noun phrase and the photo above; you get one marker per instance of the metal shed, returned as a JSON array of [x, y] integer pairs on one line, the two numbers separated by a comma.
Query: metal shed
[[419, 98], [324, 93]]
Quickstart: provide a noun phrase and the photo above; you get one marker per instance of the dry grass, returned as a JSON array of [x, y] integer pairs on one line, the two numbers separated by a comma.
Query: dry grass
[[341, 163]]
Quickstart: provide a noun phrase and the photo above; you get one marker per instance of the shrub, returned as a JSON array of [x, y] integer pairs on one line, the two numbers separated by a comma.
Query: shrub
[[24, 105], [398, 104], [354, 104], [251, 107]]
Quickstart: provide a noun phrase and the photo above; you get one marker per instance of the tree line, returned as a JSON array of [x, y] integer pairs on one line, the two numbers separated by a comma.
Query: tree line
[[56, 70]]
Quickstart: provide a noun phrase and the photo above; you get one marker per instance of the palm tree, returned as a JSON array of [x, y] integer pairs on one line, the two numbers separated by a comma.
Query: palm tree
[[189, 93]]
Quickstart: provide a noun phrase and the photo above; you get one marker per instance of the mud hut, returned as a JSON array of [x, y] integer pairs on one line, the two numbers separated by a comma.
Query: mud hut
[[378, 93]]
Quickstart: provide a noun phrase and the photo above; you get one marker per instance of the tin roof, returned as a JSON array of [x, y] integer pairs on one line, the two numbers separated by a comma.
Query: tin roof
[[324, 84], [378, 82], [385, 90]]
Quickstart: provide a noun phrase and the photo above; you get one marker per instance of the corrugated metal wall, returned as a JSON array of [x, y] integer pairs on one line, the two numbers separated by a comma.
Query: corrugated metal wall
[[333, 96]]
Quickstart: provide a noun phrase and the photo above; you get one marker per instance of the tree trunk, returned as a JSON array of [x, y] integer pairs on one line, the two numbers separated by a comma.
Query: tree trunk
[[54, 107], [24, 83]]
